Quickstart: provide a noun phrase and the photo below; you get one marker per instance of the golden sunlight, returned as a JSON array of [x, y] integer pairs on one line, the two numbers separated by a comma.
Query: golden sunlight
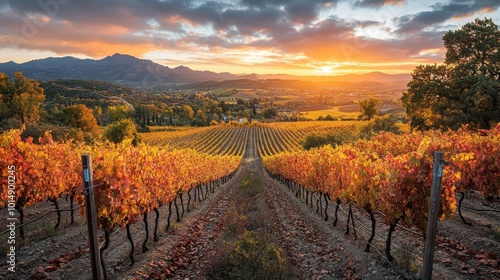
[[325, 70]]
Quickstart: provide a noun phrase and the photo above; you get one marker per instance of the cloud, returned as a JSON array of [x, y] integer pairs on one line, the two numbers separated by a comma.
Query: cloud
[[214, 31], [410, 24], [301, 12], [335, 40], [378, 3], [248, 21]]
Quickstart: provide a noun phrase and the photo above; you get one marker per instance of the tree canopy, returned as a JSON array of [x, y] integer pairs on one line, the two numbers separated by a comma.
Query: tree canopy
[[269, 112], [368, 108], [121, 130], [79, 116], [20, 98], [466, 88], [119, 112]]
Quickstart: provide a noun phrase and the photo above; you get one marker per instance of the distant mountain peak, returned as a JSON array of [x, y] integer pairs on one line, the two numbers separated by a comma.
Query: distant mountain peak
[[122, 57], [252, 76], [117, 68], [119, 55]]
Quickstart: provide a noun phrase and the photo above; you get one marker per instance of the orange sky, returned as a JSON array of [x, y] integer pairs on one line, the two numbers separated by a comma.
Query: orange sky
[[300, 37]]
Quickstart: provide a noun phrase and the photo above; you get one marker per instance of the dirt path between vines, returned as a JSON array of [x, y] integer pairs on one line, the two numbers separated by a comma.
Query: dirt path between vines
[[313, 250], [317, 250]]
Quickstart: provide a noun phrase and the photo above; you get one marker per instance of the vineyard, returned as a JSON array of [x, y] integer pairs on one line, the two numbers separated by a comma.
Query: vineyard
[[391, 175], [376, 189], [230, 140], [130, 182], [289, 137]]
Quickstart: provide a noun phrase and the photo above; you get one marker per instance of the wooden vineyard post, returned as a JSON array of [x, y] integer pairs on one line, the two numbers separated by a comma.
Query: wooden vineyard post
[[88, 192], [430, 240]]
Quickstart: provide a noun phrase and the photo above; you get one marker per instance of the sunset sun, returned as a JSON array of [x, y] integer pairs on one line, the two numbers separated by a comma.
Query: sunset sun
[[326, 70]]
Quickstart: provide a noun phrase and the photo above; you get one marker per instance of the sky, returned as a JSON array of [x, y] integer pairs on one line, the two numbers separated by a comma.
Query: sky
[[299, 37]]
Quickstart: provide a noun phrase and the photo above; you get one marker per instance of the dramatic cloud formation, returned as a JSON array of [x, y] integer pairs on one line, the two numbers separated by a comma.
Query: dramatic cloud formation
[[378, 3], [410, 24], [281, 36]]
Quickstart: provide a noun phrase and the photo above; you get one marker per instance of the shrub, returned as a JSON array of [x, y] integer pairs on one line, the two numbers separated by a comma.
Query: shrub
[[252, 257], [120, 130]]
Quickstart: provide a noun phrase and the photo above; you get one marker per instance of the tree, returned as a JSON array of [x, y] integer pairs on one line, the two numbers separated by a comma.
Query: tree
[[380, 123], [81, 117], [330, 118], [187, 112], [335, 138], [121, 130], [425, 103], [474, 50], [201, 115], [368, 108], [214, 122], [119, 112], [21, 98], [215, 117], [97, 111], [466, 89], [269, 112], [473, 55], [223, 106]]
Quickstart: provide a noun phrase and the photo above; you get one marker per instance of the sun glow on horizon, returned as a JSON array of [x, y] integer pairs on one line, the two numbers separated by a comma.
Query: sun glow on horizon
[[326, 70]]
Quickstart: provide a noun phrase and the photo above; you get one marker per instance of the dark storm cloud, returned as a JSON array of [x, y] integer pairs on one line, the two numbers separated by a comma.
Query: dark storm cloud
[[377, 3], [440, 13]]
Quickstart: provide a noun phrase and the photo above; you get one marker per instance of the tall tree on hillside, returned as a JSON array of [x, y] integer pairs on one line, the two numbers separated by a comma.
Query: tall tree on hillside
[[466, 89], [20, 98]]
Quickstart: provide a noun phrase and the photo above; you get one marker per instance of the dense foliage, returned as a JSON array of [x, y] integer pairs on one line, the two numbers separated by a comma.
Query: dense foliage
[[20, 98], [368, 108], [129, 180], [466, 88], [392, 173]]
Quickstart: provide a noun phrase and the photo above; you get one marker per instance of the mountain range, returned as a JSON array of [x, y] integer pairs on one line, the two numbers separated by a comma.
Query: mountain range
[[129, 70]]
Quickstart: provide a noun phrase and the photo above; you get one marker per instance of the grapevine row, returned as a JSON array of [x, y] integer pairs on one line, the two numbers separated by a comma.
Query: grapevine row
[[289, 137], [220, 140], [391, 174], [130, 182], [215, 140]]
